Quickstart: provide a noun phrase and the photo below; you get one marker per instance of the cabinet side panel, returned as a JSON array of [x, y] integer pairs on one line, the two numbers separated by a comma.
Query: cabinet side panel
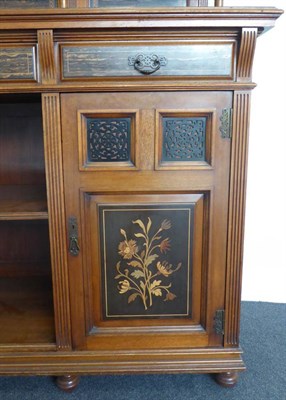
[[54, 172], [236, 216]]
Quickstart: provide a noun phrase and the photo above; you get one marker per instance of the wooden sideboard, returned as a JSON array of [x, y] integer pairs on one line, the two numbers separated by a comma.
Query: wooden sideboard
[[123, 153]]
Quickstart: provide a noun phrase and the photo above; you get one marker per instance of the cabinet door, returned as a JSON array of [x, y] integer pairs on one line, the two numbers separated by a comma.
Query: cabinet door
[[146, 187]]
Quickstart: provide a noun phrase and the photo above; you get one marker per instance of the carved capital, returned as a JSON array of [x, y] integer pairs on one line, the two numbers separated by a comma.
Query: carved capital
[[47, 57], [246, 54]]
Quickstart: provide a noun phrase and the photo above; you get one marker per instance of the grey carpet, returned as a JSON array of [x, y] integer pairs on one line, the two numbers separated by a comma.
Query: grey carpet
[[263, 338]]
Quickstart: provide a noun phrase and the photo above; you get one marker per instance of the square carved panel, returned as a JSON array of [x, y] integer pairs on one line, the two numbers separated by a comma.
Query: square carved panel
[[184, 139], [107, 140]]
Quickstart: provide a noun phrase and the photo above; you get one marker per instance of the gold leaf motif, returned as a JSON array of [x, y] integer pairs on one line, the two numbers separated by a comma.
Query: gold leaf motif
[[134, 264], [138, 235], [138, 274], [154, 284], [132, 297], [150, 259], [140, 223], [149, 224], [157, 292]]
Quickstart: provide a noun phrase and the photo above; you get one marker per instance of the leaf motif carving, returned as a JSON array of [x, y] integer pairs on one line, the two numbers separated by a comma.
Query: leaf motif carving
[[139, 235], [150, 259], [138, 274], [142, 285], [122, 231], [135, 264], [140, 223], [154, 284], [157, 292], [149, 224], [132, 297], [157, 237]]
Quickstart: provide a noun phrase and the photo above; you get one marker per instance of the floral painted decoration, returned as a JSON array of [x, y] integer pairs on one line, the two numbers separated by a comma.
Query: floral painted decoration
[[145, 274]]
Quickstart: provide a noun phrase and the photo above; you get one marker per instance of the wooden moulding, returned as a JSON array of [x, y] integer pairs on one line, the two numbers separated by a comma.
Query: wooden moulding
[[180, 361], [236, 216], [139, 18], [58, 241]]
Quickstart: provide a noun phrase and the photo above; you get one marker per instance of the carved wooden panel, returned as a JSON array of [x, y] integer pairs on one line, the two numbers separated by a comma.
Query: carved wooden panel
[[18, 63], [87, 61], [184, 139], [28, 3], [107, 140]]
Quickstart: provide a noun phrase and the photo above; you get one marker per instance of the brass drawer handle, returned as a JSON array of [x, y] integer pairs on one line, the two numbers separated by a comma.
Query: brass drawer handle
[[147, 63]]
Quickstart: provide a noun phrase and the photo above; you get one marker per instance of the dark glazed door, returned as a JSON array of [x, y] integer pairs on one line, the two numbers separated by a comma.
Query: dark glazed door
[[146, 182]]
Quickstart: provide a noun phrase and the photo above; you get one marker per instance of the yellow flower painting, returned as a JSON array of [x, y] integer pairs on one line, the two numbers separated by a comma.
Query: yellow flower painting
[[143, 273]]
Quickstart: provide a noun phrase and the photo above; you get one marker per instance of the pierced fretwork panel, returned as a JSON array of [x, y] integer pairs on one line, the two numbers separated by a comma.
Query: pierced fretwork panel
[[108, 139], [184, 139]]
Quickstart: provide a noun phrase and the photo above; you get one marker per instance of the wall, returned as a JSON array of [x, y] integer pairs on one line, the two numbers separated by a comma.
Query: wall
[[264, 277]]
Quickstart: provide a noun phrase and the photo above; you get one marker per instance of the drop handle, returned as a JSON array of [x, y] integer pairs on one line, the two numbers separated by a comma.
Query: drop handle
[[74, 248], [147, 64]]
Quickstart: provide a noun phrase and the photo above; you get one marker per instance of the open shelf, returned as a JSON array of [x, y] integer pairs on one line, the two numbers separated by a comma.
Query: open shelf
[[26, 311], [26, 298], [23, 202]]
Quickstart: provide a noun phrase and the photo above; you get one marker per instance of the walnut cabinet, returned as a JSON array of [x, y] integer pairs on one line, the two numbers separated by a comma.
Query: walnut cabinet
[[123, 152]]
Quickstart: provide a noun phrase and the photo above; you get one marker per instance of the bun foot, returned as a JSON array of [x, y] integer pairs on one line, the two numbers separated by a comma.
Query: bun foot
[[67, 383], [227, 379]]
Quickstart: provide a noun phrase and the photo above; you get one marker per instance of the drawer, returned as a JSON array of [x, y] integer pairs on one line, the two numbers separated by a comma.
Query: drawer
[[215, 60], [28, 3], [18, 63]]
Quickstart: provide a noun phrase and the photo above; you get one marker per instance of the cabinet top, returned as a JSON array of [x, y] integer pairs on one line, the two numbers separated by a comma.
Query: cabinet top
[[176, 17]]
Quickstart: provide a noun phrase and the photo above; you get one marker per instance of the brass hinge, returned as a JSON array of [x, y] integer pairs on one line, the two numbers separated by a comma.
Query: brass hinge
[[226, 123], [219, 322]]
